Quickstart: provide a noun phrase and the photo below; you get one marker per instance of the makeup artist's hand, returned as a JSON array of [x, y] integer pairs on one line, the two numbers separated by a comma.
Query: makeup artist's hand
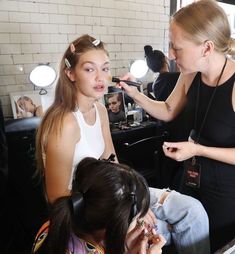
[[130, 90], [180, 151]]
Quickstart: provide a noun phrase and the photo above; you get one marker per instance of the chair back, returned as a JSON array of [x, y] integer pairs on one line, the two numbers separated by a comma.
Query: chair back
[[27, 206], [144, 156]]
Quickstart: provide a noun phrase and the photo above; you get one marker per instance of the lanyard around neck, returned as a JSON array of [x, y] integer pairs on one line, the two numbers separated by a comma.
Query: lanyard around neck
[[209, 103]]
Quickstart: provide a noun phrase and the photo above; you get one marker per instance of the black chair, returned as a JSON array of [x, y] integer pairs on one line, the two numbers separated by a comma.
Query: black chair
[[3, 159], [3, 177], [26, 204], [145, 157]]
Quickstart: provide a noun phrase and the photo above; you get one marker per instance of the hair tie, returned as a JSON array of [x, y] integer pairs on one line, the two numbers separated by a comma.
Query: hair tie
[[77, 202], [134, 210], [133, 196], [231, 46]]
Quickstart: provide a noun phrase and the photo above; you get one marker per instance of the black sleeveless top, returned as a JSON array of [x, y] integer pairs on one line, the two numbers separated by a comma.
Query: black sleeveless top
[[219, 127]]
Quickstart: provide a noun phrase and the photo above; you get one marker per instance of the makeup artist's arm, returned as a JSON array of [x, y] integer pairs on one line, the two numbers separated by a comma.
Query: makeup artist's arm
[[165, 111]]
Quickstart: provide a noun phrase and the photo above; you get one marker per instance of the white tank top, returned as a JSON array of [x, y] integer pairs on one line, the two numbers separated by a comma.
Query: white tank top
[[91, 143]]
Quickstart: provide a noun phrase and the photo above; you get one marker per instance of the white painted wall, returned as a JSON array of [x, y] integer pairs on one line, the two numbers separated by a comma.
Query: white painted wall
[[38, 31]]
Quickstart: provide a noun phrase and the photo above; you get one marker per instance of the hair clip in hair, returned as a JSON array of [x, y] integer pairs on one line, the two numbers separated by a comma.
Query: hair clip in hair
[[72, 48], [67, 63], [111, 158], [96, 42], [134, 210]]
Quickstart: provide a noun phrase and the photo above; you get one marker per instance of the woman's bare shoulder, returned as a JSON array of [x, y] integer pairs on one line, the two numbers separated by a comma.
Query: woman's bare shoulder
[[69, 123], [67, 133], [186, 80], [68, 126]]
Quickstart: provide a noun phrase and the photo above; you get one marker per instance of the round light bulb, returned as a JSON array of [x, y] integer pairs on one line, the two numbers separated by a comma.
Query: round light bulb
[[42, 76], [139, 68]]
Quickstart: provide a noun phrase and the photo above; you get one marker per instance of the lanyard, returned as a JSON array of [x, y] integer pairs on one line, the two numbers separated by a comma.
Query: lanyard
[[209, 103]]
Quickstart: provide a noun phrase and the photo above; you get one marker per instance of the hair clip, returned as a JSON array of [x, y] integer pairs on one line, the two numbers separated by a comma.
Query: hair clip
[[111, 158], [72, 48], [67, 63], [96, 42]]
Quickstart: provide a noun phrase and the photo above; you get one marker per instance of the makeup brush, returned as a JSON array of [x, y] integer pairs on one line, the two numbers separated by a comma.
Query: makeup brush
[[128, 82]]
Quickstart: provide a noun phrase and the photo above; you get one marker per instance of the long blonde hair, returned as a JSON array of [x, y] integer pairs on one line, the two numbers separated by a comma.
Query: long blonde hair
[[206, 20], [65, 100]]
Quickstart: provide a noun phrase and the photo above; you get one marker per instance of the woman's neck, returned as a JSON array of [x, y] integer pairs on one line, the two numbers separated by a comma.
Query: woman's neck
[[85, 104], [213, 68]]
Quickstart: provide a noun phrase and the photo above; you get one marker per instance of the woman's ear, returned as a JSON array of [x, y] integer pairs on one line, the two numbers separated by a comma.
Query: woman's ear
[[69, 73], [208, 47]]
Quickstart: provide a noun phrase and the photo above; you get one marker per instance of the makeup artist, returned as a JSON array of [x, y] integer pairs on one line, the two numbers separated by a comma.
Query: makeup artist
[[201, 44]]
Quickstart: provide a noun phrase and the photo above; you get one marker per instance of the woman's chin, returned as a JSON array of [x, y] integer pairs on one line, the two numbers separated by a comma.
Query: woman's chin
[[99, 96]]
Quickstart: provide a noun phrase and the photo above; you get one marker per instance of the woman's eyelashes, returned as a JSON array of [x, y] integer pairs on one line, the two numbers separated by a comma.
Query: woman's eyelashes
[[174, 47], [92, 69], [106, 69], [89, 69]]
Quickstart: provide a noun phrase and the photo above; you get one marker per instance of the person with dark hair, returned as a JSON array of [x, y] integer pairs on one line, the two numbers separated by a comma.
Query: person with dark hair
[[165, 80], [155, 59], [201, 43], [97, 215], [159, 90], [77, 126]]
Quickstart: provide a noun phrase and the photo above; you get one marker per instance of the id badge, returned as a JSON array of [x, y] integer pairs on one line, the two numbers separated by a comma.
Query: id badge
[[192, 171]]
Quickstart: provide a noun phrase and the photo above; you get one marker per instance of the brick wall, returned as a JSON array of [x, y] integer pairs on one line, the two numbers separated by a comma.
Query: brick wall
[[38, 31]]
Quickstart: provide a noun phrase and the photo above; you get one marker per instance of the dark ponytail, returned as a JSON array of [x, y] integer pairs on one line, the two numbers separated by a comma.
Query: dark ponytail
[[105, 197]]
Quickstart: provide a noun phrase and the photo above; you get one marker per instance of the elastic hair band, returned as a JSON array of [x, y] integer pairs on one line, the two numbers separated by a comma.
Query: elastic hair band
[[77, 202], [134, 210]]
